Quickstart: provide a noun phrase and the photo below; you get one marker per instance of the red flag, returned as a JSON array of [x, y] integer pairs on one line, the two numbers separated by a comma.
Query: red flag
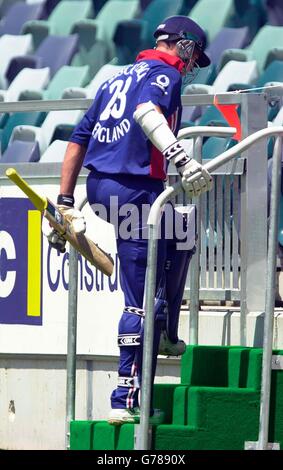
[[229, 111]]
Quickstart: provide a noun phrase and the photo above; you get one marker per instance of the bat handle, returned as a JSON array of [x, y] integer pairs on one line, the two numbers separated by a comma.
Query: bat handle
[[39, 202]]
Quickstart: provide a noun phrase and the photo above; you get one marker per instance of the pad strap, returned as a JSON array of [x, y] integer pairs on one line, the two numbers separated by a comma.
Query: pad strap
[[129, 340], [134, 310], [128, 382]]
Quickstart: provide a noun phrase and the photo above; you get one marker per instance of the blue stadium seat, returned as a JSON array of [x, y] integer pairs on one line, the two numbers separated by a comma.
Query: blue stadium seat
[[249, 13], [17, 15], [274, 12], [227, 38], [21, 152], [45, 56]]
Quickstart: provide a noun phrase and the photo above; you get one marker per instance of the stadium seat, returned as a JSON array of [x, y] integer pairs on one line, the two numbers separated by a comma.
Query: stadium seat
[[97, 5], [5, 5], [249, 13], [11, 46], [214, 146], [43, 135], [48, 7], [144, 4], [274, 11], [95, 57], [17, 15], [227, 38], [60, 21], [205, 75], [55, 152], [227, 76], [211, 116], [265, 47], [17, 119], [66, 76], [272, 73], [133, 35], [127, 40], [104, 25], [37, 79], [187, 6], [21, 152], [156, 11], [203, 14], [44, 56]]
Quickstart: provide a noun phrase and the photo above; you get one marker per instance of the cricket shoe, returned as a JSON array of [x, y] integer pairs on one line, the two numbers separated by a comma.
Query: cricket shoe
[[167, 348], [118, 416]]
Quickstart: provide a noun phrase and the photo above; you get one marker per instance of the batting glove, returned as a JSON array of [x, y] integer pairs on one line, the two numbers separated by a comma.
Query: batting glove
[[195, 178], [65, 204], [54, 238]]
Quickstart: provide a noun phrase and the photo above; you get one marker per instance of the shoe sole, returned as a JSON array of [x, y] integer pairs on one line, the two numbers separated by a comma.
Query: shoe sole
[[170, 353], [136, 420], [119, 421]]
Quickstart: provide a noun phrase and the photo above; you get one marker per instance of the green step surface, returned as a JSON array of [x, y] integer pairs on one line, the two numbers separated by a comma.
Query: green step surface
[[214, 407]]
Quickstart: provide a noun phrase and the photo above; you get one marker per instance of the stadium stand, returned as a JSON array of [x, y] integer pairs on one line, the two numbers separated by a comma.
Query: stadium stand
[[60, 21], [274, 12], [201, 13], [227, 38], [250, 13], [65, 46], [53, 49], [11, 46], [226, 77], [17, 15], [267, 44], [27, 78]]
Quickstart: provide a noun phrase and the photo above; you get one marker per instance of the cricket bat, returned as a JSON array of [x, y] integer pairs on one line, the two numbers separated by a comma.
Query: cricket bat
[[62, 224]]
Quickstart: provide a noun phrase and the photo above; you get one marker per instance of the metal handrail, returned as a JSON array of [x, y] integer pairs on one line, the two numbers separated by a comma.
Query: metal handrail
[[153, 222], [262, 443]]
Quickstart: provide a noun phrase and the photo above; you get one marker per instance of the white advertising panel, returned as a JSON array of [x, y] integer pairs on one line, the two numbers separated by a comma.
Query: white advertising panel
[[34, 282]]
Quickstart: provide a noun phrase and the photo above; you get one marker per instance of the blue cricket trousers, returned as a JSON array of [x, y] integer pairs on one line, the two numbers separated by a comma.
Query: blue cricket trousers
[[125, 200]]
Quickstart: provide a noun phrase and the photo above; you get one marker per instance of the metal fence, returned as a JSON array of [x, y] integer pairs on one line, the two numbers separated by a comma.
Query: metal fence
[[234, 214], [219, 234], [143, 434]]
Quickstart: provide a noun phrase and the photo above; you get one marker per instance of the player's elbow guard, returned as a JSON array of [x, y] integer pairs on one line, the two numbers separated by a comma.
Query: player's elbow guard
[[157, 130]]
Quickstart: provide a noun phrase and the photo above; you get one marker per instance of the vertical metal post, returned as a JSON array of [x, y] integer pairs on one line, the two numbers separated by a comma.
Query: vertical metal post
[[195, 262], [253, 211], [270, 297], [143, 436], [72, 342], [72, 339]]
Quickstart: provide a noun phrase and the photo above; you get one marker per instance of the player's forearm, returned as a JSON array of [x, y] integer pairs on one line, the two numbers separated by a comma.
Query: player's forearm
[[71, 167]]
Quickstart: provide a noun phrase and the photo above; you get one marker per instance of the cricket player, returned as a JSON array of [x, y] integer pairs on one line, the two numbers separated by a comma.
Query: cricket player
[[126, 140]]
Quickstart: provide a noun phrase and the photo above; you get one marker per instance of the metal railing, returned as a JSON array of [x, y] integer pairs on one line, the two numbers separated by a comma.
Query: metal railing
[[253, 117], [153, 222], [71, 365], [198, 265]]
